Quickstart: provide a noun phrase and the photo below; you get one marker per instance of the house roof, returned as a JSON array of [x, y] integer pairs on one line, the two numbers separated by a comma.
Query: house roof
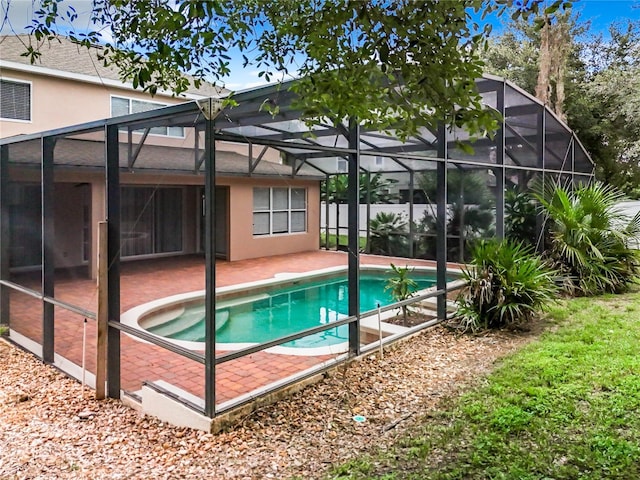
[[85, 153], [64, 57]]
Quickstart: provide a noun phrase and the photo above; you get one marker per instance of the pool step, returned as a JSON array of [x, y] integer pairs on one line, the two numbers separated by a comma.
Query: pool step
[[432, 304], [187, 323]]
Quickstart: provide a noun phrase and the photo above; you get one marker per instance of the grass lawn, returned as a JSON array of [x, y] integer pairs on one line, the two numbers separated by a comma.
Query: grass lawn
[[344, 240], [566, 406]]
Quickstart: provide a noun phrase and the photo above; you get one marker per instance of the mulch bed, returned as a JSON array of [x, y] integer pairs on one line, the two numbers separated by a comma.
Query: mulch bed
[[50, 428]]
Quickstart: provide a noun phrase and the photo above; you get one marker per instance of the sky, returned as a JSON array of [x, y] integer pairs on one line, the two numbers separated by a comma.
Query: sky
[[601, 13]]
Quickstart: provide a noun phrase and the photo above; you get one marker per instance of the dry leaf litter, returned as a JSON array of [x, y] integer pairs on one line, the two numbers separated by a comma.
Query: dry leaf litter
[[50, 430]]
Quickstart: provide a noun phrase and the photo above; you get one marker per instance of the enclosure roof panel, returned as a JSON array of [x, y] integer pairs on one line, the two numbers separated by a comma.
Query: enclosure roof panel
[[533, 136]]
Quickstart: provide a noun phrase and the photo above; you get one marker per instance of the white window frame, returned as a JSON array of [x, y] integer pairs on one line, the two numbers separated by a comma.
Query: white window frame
[[26, 82], [289, 210], [160, 104]]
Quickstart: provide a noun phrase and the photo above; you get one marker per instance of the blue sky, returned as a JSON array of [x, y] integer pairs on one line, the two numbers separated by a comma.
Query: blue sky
[[601, 13]]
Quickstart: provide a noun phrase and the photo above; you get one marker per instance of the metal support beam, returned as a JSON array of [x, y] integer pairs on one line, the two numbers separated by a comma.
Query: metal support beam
[[210, 270], [441, 221], [210, 263], [540, 152], [499, 172], [133, 155], [4, 233], [573, 160], [411, 226], [112, 176], [48, 242], [461, 237], [252, 164], [353, 198], [368, 245], [196, 148], [326, 212]]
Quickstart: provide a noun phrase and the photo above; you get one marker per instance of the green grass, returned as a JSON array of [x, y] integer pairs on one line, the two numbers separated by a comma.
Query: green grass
[[566, 406], [343, 240]]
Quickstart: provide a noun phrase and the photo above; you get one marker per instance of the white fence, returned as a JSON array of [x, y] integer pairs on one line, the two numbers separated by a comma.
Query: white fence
[[631, 208]]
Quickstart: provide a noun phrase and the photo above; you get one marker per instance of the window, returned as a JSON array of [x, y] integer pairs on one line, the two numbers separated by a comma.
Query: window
[[279, 210], [15, 100], [125, 106]]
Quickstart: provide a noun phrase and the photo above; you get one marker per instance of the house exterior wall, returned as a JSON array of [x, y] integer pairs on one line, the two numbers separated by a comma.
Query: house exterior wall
[[59, 102], [243, 244]]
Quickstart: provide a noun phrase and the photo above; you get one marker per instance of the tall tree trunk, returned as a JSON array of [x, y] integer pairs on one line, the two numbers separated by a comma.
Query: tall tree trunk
[[559, 53], [544, 69], [554, 48]]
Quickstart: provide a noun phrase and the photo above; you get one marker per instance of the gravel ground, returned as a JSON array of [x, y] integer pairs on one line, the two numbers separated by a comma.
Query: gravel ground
[[43, 434]]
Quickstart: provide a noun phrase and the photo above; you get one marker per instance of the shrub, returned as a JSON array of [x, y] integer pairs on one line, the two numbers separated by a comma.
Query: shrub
[[388, 234], [401, 287], [519, 216], [590, 239], [507, 285]]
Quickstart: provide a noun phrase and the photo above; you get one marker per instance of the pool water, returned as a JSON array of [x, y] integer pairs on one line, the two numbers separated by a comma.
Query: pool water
[[284, 311]]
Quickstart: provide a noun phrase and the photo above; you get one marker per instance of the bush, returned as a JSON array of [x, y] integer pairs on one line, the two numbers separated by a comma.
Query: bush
[[520, 216], [401, 287], [591, 239], [388, 234], [507, 285]]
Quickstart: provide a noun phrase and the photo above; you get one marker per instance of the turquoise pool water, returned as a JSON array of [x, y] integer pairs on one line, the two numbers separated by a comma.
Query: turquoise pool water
[[283, 311]]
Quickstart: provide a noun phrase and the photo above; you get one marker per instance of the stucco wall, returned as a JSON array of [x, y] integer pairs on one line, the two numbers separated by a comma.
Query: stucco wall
[[59, 102], [243, 244]]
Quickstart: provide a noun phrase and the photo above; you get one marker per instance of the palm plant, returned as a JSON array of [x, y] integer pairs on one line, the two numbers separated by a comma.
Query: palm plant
[[470, 212], [507, 284], [373, 189], [590, 237], [388, 234], [401, 287]]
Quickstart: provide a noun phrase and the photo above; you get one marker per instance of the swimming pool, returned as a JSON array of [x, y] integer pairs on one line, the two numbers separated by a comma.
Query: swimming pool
[[246, 315], [283, 311]]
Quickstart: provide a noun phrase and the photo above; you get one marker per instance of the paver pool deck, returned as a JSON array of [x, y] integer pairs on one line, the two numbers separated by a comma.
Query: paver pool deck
[[147, 280]]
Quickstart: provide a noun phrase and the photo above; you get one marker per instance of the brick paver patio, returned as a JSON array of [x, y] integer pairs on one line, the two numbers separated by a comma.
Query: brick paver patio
[[143, 281]]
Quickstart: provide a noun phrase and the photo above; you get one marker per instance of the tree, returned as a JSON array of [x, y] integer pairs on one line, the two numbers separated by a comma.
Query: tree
[[393, 65], [601, 90], [613, 91], [554, 50]]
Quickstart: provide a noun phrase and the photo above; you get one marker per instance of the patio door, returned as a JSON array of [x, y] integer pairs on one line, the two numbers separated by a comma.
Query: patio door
[[151, 220], [221, 219]]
